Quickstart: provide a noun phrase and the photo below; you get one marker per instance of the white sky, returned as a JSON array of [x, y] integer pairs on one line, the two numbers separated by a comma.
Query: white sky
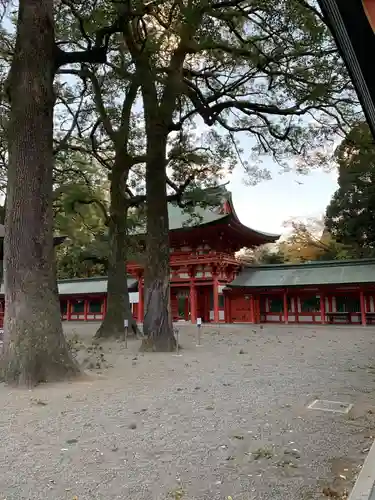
[[269, 204]]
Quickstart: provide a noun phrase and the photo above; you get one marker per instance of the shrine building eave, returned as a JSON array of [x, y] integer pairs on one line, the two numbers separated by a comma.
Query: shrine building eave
[[228, 226], [219, 218], [352, 23], [307, 274]]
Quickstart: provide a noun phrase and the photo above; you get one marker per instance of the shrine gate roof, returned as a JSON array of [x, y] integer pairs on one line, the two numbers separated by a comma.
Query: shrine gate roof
[[210, 207], [306, 274]]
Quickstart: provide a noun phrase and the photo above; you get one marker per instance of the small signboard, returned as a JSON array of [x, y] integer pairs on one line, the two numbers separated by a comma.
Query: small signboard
[[199, 321], [126, 323]]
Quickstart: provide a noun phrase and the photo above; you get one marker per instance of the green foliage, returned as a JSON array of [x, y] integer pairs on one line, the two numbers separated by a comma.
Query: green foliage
[[80, 213], [349, 216]]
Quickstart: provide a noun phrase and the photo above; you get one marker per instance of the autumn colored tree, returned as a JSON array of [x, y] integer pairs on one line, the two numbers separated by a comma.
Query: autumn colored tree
[[309, 240], [269, 253]]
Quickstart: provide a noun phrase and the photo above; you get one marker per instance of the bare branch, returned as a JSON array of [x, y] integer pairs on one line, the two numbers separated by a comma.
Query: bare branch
[[75, 116], [85, 73]]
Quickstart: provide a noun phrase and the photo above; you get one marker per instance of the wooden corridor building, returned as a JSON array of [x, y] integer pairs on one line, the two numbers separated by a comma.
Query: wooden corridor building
[[317, 292], [210, 282]]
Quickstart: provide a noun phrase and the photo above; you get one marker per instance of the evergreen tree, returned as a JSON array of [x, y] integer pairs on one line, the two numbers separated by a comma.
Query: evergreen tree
[[350, 215]]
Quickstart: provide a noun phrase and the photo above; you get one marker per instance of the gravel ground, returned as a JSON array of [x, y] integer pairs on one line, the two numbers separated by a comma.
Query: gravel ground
[[228, 418]]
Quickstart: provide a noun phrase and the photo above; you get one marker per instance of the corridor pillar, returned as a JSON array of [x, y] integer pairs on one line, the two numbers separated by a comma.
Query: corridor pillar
[[322, 309], [140, 300], [285, 303], [193, 302], [363, 307], [252, 311], [216, 299]]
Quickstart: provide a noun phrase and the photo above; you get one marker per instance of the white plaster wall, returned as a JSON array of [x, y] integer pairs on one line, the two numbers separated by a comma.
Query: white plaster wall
[[293, 304], [334, 304], [305, 317]]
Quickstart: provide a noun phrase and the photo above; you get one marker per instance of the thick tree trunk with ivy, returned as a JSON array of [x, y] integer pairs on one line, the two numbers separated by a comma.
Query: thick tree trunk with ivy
[[157, 325], [35, 349], [118, 304]]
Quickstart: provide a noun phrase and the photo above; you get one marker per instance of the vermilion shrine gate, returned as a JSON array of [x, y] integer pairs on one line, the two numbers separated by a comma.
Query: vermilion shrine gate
[[202, 259]]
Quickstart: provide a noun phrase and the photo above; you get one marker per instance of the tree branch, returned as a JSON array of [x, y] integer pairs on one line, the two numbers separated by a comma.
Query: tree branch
[[75, 116], [94, 201], [85, 73], [135, 201], [96, 53]]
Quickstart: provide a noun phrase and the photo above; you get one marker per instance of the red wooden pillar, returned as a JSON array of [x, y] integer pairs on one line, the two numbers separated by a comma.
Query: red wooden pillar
[[140, 300], [226, 310], [216, 299], [330, 304], [252, 312], [104, 307], [257, 309], [68, 310], [285, 301], [363, 307], [322, 308], [193, 302], [85, 308]]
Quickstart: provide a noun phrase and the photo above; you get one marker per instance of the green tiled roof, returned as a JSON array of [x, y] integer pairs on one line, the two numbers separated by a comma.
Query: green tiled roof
[[315, 273], [82, 286], [208, 209], [178, 218]]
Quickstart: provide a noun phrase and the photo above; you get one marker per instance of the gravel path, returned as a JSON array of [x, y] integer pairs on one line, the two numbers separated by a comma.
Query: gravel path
[[228, 418]]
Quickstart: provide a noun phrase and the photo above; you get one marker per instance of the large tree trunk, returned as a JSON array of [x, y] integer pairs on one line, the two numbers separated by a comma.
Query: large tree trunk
[[34, 345], [157, 325], [118, 304]]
